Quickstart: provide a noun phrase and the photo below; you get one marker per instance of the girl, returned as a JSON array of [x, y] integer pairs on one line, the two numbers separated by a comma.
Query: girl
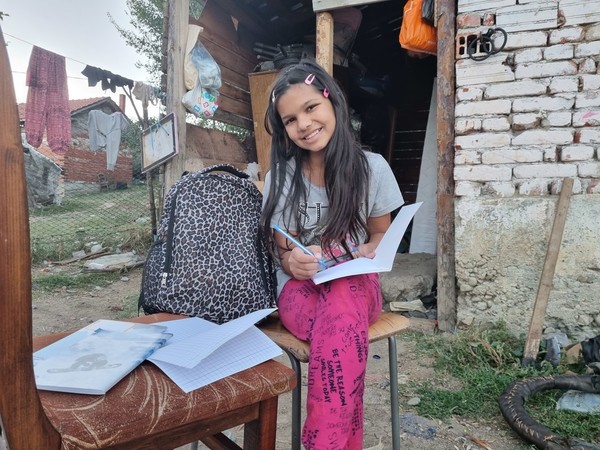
[[336, 199]]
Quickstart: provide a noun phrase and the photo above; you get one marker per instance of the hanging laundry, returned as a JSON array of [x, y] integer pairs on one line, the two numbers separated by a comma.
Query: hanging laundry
[[109, 80], [105, 132], [47, 105], [145, 93]]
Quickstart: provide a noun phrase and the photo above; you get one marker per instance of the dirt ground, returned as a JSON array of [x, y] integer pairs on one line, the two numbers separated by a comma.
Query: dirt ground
[[69, 308]]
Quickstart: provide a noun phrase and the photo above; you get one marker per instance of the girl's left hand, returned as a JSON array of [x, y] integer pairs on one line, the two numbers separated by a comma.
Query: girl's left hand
[[366, 250]]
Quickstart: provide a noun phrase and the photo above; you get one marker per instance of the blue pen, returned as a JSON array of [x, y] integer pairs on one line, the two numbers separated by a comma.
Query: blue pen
[[298, 244]]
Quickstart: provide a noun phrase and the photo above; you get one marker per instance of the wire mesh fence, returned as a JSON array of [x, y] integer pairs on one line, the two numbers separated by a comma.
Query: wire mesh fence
[[117, 216]]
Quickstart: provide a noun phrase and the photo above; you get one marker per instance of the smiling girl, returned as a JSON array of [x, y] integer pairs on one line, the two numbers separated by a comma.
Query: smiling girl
[[336, 198]]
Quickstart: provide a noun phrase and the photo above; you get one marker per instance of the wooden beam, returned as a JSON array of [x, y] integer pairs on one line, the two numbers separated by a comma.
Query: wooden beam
[[326, 5], [446, 270], [536, 326], [177, 40], [324, 41]]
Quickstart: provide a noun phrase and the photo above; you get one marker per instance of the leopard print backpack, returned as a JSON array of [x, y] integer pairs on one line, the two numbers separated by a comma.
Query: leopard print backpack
[[209, 259]]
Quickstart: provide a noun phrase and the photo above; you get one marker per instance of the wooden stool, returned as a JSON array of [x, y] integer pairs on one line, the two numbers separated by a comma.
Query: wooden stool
[[387, 326]]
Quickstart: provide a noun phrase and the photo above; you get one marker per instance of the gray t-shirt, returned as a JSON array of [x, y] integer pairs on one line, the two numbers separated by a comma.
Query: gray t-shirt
[[384, 197]]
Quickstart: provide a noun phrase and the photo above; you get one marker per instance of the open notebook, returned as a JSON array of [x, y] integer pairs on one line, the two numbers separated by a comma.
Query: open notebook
[[384, 253]]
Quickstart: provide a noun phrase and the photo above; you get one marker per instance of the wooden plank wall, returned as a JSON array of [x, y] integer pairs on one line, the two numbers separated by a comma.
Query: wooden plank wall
[[236, 60]]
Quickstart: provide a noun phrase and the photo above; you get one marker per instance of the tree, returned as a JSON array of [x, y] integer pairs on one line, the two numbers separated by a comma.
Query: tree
[[146, 17]]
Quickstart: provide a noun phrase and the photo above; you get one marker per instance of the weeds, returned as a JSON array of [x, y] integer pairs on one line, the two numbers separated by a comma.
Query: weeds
[[482, 362]]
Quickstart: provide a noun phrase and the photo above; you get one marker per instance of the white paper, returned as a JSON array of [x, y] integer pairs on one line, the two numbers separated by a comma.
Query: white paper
[[201, 352], [190, 351], [384, 253], [246, 350]]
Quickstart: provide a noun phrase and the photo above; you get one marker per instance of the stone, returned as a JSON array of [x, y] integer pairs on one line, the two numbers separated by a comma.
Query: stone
[[411, 278]]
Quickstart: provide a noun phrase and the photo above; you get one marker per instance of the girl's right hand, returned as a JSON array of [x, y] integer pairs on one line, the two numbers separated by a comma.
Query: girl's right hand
[[302, 266]]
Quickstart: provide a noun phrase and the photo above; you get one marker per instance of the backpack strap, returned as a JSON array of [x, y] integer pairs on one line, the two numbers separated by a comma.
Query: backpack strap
[[225, 168]]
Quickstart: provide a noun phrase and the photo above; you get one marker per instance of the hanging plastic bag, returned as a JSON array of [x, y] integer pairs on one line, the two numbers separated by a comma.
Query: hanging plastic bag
[[417, 35], [428, 11], [203, 99]]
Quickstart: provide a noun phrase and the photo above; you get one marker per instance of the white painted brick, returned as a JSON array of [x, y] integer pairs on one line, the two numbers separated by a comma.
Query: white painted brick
[[551, 154], [545, 69], [465, 157], [534, 16], [516, 88], [545, 170], [578, 12], [540, 137], [559, 51], [482, 5], [526, 39], [589, 169], [589, 118], [541, 104], [594, 187], [537, 187], [589, 136], [556, 186], [564, 84], [588, 99], [557, 119], [499, 189], [492, 70], [529, 55], [495, 124], [511, 155], [482, 140], [469, 93], [587, 49], [563, 35], [588, 65], [590, 82], [525, 121], [593, 32], [576, 153], [501, 106], [463, 126], [482, 173], [467, 189]]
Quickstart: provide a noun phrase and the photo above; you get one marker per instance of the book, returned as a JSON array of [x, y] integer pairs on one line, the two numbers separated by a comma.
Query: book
[[384, 253], [96, 357], [201, 352]]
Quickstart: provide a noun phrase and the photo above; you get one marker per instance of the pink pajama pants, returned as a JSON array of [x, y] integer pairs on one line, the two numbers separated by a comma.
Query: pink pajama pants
[[334, 318]]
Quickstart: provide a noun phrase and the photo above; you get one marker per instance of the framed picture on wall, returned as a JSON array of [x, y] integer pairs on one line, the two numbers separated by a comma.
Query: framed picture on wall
[[159, 143]]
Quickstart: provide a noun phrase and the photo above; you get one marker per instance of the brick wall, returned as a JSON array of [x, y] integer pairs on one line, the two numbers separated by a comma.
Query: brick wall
[[84, 166], [529, 115]]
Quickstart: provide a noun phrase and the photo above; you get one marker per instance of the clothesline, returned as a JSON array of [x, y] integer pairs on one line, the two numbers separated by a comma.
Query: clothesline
[[35, 45]]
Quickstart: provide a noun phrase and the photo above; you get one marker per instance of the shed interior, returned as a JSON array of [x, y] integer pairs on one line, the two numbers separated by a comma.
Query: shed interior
[[388, 89]]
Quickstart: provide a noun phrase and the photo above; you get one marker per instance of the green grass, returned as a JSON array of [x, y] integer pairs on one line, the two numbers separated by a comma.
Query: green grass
[[473, 367], [111, 219]]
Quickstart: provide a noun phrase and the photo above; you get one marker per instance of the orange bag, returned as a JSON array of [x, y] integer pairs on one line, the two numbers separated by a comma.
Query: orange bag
[[416, 34]]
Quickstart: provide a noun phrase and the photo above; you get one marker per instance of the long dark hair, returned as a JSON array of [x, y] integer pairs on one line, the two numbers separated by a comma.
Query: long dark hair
[[346, 170]]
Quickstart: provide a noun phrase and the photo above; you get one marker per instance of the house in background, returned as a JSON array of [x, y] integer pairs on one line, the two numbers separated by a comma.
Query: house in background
[[82, 169]]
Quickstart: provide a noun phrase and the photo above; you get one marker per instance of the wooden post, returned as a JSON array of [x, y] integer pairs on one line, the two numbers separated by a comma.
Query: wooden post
[[446, 85], [177, 40], [16, 362], [324, 43], [532, 345]]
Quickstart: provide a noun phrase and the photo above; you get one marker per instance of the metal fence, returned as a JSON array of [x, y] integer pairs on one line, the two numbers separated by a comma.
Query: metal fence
[[118, 217]]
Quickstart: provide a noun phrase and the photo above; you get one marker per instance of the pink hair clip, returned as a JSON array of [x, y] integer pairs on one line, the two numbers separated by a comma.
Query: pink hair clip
[[325, 93], [310, 78]]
